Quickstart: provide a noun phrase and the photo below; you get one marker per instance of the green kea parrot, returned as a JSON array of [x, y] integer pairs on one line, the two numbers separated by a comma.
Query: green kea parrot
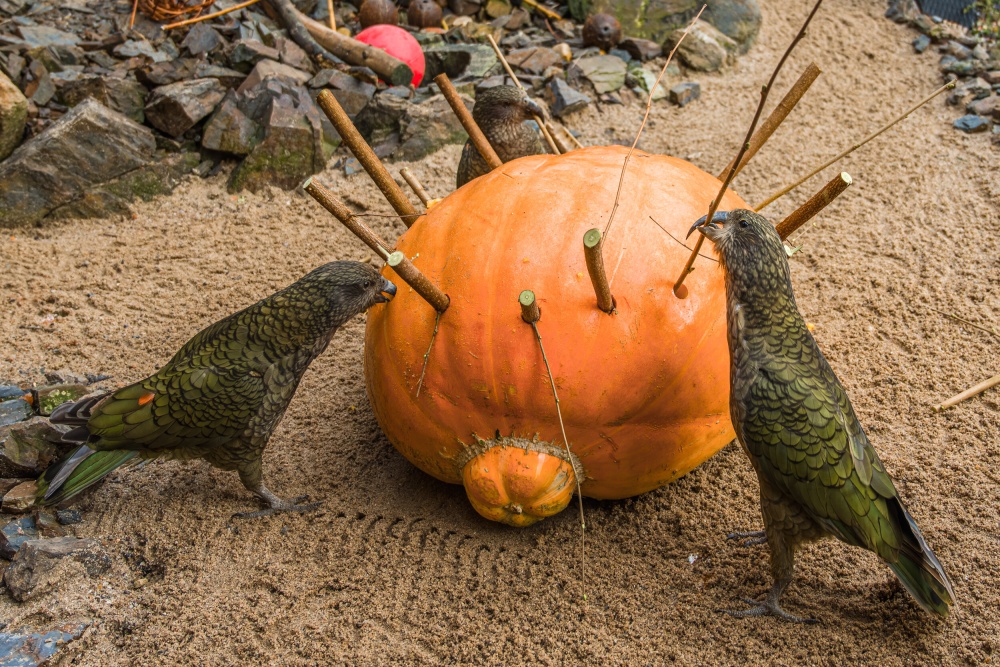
[[500, 113], [222, 395], [818, 473]]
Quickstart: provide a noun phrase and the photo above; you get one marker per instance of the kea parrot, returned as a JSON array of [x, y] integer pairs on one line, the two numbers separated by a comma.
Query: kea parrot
[[818, 473], [500, 113], [221, 395]]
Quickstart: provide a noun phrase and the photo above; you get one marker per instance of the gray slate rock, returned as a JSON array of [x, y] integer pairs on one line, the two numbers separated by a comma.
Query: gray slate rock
[[987, 106], [14, 534], [125, 96], [533, 60], [26, 448], [230, 130], [89, 146], [12, 412], [270, 69], [563, 99], [40, 89], [177, 107], [605, 73], [920, 43], [429, 126], [641, 49], [737, 19], [201, 38], [705, 48], [971, 124], [33, 648], [352, 93], [229, 78], [165, 73], [135, 47], [381, 117], [41, 565], [40, 35], [13, 116], [683, 93], [459, 60], [244, 54]]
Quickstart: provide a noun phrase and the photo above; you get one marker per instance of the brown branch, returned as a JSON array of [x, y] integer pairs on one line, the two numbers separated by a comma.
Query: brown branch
[[476, 135], [332, 18], [420, 283], [777, 116], [415, 185], [969, 393], [816, 203], [331, 203], [714, 206], [543, 9], [366, 156], [427, 354], [530, 312], [353, 52], [294, 22], [595, 267], [851, 149]]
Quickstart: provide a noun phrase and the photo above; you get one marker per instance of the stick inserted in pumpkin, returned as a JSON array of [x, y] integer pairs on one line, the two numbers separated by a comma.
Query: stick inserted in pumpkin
[[679, 289], [366, 156], [339, 209], [816, 203], [415, 185], [595, 267], [421, 284], [465, 118]]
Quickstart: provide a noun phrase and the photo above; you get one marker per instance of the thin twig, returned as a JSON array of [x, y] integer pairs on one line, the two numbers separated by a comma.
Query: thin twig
[[562, 427], [333, 16], [427, 354], [415, 185], [711, 259], [786, 190], [714, 206], [969, 393], [964, 321], [206, 17], [135, 6], [543, 9]]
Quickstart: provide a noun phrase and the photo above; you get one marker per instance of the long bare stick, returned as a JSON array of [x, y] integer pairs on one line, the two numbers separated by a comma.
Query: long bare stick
[[339, 209], [965, 321], [777, 116], [816, 203], [531, 314], [506, 65], [903, 116], [366, 156], [714, 206], [213, 15], [415, 185], [645, 117], [969, 393], [427, 354], [476, 135]]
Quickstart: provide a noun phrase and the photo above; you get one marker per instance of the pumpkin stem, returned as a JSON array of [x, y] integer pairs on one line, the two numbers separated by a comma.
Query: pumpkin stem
[[816, 203], [595, 267]]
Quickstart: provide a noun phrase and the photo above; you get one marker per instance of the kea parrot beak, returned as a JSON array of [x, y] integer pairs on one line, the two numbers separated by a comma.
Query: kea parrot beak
[[387, 288], [719, 218], [533, 106]]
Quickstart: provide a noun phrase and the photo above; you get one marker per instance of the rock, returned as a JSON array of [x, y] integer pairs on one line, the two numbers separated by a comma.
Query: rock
[[244, 54], [14, 411], [705, 48], [459, 60], [69, 517], [125, 96], [26, 448], [381, 117], [958, 50], [47, 523], [428, 127], [41, 565], [229, 78], [920, 43], [686, 92], [135, 48], [738, 20], [89, 146], [464, 7], [39, 88], [269, 69], [230, 130], [20, 499], [641, 49], [605, 73], [992, 78], [902, 11], [49, 398], [352, 93], [15, 534], [39, 35], [563, 99], [9, 392], [201, 38], [177, 107], [13, 116], [33, 648], [972, 124], [533, 60], [643, 81], [291, 54], [650, 19], [988, 106], [65, 376], [165, 73]]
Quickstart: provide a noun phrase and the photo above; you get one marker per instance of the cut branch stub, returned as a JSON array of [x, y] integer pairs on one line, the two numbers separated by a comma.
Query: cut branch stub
[[530, 311], [351, 51], [415, 185], [816, 203], [412, 276], [595, 267], [366, 156], [476, 135], [339, 209]]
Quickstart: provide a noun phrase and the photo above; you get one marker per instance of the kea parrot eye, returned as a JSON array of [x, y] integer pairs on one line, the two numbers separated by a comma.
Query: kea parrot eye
[[744, 224]]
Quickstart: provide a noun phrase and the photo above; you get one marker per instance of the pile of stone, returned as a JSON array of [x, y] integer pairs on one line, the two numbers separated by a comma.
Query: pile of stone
[[971, 60], [101, 113]]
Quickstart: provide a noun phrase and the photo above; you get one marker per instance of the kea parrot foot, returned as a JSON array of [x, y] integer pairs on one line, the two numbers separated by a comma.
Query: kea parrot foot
[[750, 538], [276, 505], [768, 607]]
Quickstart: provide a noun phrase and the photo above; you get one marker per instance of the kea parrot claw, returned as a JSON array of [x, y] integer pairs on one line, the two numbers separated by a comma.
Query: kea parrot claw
[[750, 538], [768, 607], [276, 505]]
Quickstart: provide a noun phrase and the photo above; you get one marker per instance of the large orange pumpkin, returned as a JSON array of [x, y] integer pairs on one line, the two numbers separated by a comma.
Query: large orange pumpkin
[[644, 392]]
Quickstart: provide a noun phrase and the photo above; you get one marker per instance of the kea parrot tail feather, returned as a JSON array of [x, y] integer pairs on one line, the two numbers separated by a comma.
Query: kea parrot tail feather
[[78, 471], [920, 571]]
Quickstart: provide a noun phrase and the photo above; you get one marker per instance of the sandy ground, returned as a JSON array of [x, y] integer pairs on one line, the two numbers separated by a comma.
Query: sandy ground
[[398, 569]]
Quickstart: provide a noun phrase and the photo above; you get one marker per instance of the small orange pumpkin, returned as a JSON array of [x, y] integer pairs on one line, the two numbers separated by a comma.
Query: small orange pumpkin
[[644, 392]]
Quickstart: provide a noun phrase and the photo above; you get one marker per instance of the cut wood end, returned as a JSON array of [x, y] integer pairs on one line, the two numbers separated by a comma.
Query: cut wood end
[[592, 238], [844, 176], [526, 298], [395, 258]]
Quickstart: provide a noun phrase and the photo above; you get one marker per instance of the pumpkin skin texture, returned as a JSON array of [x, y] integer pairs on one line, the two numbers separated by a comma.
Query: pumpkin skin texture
[[644, 392]]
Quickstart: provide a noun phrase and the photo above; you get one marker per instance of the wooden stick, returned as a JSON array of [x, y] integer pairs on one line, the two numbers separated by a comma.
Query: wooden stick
[[332, 17], [816, 203], [595, 267], [506, 65], [543, 9], [206, 17], [131, 21], [714, 206], [427, 354], [366, 156], [352, 51], [969, 393], [779, 114], [848, 151], [530, 312], [331, 203], [412, 276], [965, 321], [414, 184], [476, 135]]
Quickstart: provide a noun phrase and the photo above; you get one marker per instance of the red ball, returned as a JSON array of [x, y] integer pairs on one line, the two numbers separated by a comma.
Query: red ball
[[397, 43]]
